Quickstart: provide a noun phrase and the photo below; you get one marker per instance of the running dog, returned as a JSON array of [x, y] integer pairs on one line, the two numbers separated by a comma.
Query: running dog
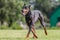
[[31, 17]]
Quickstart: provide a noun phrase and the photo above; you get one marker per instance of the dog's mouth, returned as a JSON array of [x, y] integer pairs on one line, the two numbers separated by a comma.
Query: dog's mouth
[[24, 14]]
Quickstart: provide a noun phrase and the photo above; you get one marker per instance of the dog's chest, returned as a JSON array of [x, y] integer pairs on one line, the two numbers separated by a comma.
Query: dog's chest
[[28, 18]]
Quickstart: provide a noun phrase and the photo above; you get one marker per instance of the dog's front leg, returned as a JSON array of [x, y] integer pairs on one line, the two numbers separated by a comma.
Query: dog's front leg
[[28, 32], [34, 33]]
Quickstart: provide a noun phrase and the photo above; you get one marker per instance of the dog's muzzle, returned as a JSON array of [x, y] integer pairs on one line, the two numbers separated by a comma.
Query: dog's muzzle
[[23, 13]]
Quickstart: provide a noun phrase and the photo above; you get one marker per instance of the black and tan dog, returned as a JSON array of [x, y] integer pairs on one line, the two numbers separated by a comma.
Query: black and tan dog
[[31, 17]]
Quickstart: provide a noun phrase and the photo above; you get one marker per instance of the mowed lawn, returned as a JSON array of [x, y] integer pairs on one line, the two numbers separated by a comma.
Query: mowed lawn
[[21, 34]]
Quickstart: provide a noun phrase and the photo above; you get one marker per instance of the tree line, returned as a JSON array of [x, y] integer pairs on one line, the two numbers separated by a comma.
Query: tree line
[[10, 10]]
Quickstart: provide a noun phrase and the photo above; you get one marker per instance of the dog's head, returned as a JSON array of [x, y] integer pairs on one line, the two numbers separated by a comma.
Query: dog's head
[[25, 9]]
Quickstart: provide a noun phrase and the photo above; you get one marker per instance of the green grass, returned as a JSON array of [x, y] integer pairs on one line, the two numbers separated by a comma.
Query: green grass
[[21, 34]]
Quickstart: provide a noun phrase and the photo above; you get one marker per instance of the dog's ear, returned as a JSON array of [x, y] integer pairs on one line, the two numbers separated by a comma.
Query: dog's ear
[[29, 6], [24, 4]]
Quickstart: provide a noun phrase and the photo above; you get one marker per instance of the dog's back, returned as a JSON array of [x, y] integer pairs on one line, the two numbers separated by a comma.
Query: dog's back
[[36, 14]]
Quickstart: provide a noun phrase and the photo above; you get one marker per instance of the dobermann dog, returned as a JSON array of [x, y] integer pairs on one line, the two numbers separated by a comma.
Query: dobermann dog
[[31, 17]]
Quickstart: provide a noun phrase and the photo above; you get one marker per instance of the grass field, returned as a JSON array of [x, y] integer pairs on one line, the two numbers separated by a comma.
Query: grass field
[[21, 34]]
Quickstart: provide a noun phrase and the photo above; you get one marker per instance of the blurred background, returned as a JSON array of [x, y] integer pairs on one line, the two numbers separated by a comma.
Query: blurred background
[[11, 18]]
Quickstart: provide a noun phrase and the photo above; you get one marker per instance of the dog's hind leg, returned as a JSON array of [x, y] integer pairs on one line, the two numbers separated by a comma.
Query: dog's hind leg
[[43, 24]]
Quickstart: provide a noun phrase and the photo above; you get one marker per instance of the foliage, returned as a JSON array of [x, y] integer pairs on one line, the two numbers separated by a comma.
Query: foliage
[[46, 6], [10, 10], [14, 26]]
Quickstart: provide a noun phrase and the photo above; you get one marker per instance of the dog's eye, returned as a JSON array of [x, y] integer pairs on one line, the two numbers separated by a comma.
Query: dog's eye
[[25, 7], [21, 10]]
